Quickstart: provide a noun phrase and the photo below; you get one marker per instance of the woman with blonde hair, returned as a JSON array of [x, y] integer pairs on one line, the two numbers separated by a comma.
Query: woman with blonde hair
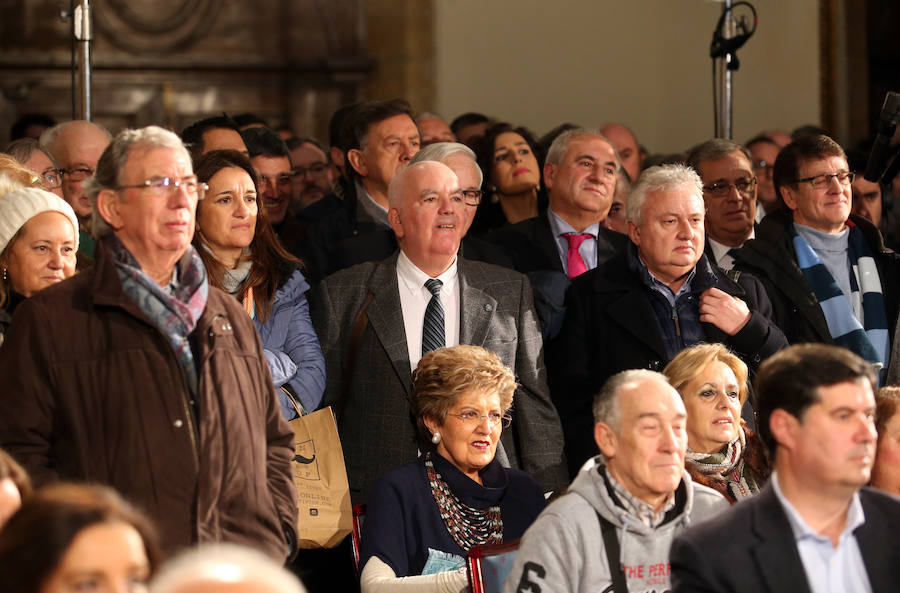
[[886, 469], [723, 453], [425, 516]]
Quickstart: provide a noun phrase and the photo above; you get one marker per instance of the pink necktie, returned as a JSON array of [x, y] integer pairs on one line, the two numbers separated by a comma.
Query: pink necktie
[[574, 261]]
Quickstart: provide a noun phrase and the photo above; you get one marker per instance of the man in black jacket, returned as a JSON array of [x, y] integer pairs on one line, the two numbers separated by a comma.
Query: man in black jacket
[[641, 307], [827, 272]]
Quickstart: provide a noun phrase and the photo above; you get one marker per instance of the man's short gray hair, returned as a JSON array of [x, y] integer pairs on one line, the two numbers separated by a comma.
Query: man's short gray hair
[[560, 145], [439, 151], [714, 150], [427, 115], [662, 178], [114, 159], [23, 148], [606, 406], [397, 189], [222, 564]]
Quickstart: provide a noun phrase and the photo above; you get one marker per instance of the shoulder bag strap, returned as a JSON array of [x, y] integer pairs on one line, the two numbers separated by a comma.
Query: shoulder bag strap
[[611, 545]]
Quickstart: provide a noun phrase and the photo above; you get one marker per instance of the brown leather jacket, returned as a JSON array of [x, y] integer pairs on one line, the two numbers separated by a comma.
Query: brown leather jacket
[[92, 391]]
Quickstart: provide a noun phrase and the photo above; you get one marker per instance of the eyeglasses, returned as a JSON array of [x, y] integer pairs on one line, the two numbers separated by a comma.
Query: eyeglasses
[[282, 182], [720, 190], [472, 418], [764, 166], [50, 178], [472, 197], [164, 186], [79, 174], [824, 180], [316, 170]]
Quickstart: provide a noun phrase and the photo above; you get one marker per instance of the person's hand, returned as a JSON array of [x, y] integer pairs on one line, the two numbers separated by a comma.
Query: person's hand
[[726, 312]]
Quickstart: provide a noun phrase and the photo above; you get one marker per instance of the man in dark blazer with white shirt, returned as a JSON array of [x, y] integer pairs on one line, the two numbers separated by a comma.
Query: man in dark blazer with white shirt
[[815, 527], [369, 322]]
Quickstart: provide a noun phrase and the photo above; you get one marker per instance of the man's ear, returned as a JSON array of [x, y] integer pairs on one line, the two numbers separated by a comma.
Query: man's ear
[[395, 222], [633, 233], [787, 194], [606, 439], [108, 202], [549, 174], [783, 426], [357, 160]]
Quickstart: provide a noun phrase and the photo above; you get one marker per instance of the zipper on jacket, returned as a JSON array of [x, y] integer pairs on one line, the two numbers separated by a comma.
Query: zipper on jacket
[[675, 319], [185, 401]]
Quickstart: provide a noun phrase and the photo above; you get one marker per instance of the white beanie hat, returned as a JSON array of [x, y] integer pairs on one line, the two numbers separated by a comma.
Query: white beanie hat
[[19, 206]]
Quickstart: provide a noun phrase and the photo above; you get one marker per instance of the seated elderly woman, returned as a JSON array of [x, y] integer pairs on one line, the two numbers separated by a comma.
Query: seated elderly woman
[[15, 486], [38, 242], [69, 537], [886, 471], [722, 452], [424, 517]]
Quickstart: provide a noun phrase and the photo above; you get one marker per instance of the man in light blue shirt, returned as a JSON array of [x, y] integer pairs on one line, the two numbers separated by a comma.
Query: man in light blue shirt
[[816, 528]]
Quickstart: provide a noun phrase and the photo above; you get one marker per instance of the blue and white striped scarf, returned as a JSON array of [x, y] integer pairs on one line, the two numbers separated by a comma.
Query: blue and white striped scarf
[[871, 343]]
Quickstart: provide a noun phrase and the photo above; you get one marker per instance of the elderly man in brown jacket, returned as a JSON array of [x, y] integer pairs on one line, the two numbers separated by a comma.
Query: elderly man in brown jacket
[[138, 374]]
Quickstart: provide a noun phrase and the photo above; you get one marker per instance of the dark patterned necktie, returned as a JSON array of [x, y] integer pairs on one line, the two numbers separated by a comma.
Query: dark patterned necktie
[[433, 328]]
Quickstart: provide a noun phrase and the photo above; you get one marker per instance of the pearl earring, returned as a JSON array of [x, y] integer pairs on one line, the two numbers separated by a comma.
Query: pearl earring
[[436, 438]]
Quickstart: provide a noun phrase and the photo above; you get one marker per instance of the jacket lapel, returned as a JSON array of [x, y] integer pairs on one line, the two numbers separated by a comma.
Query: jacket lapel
[[386, 318], [879, 553], [476, 307], [544, 239], [631, 309], [775, 552]]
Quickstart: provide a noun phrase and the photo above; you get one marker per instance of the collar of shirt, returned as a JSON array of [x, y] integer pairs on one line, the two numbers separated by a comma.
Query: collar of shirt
[[720, 251], [413, 279], [636, 507], [372, 209], [802, 530], [588, 248], [658, 285]]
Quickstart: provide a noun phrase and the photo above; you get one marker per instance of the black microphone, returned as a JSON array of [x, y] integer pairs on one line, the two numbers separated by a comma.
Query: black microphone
[[887, 124]]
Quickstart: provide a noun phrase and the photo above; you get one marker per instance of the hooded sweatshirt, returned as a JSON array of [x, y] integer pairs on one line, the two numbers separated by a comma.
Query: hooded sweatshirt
[[563, 549]]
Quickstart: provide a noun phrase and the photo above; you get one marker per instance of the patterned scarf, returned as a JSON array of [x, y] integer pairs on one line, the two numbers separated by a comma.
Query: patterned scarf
[[467, 525], [844, 324], [173, 309], [727, 467]]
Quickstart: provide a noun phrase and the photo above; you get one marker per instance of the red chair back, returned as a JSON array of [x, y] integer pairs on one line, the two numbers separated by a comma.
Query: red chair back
[[489, 565], [359, 514]]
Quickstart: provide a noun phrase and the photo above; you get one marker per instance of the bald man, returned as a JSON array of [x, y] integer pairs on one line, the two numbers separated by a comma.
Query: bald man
[[77, 145]]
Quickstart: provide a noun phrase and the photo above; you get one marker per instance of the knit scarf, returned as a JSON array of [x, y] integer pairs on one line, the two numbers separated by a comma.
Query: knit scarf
[[175, 309], [726, 467], [869, 339]]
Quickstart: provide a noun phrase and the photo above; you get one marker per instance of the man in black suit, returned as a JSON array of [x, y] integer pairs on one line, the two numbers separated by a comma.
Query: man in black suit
[[641, 307], [580, 175], [729, 193], [815, 527]]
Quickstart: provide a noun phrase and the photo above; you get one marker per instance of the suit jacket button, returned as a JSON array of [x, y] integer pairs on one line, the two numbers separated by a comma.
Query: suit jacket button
[[488, 307], [178, 424]]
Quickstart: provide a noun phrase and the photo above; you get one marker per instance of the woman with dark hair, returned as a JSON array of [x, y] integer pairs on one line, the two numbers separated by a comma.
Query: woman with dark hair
[[424, 517], [723, 453], [511, 161], [69, 537], [244, 258]]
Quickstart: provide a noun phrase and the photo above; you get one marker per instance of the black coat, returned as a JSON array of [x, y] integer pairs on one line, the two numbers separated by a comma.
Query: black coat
[[610, 326], [772, 259], [750, 548]]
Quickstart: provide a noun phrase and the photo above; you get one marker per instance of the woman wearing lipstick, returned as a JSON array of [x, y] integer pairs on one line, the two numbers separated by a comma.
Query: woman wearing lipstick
[[38, 241], [243, 258], [722, 452], [511, 161], [424, 517]]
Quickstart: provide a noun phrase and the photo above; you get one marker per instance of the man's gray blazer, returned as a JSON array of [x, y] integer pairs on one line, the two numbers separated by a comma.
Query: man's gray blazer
[[377, 431]]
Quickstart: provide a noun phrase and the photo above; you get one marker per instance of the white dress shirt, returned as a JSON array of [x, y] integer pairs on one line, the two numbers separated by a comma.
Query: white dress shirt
[[414, 299]]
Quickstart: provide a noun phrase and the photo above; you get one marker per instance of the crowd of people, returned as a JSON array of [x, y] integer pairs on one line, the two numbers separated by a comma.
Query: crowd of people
[[655, 372]]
